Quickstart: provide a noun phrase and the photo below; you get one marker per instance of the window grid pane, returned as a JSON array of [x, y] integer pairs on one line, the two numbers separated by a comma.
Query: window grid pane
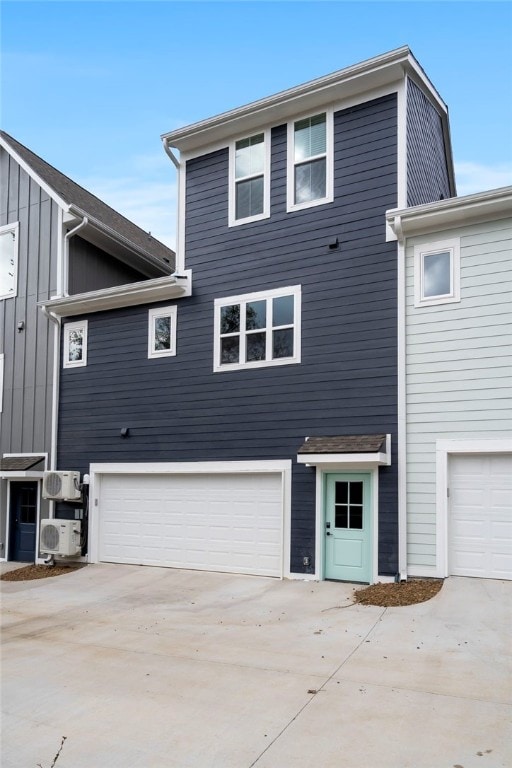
[[437, 274], [248, 332], [162, 333]]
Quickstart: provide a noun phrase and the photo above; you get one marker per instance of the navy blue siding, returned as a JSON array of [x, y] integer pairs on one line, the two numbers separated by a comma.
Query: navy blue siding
[[427, 172], [177, 409]]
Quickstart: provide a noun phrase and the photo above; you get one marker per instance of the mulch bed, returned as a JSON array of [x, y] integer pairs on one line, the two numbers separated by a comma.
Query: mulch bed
[[30, 572], [405, 593]]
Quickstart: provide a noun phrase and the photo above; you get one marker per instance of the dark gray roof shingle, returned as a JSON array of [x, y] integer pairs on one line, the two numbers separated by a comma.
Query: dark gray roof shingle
[[90, 205], [344, 444], [19, 463]]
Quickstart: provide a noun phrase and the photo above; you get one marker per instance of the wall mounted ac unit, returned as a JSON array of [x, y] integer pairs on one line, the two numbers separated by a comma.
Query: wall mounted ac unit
[[60, 537], [61, 486]]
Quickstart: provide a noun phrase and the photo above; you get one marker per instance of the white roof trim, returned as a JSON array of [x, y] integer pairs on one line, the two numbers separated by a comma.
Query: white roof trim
[[145, 292], [334, 460], [28, 169], [18, 473], [453, 212], [345, 83]]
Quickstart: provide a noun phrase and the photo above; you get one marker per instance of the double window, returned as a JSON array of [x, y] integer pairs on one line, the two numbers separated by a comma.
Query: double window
[[250, 179], [437, 273], [310, 166], [75, 344], [8, 260], [258, 329], [162, 332]]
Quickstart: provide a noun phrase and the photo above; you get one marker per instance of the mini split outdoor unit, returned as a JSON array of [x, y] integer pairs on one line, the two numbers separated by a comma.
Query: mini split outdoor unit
[[60, 537], [61, 486]]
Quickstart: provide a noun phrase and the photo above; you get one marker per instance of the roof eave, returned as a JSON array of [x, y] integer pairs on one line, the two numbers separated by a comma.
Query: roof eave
[[132, 294], [357, 79], [453, 212], [116, 237]]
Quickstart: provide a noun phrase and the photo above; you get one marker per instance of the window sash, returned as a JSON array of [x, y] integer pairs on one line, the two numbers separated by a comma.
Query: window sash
[[249, 185], [310, 162], [154, 315], [80, 331], [244, 336], [9, 261]]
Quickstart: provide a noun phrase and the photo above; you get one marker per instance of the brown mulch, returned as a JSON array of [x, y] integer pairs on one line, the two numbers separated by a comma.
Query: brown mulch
[[29, 572], [405, 593]]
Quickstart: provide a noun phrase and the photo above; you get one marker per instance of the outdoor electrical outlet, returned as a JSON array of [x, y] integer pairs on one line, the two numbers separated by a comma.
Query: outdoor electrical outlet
[[306, 560]]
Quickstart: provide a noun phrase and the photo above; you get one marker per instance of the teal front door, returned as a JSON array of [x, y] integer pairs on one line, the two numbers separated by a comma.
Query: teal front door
[[348, 527]]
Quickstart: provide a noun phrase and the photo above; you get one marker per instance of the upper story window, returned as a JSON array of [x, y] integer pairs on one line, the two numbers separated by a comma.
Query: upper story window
[[8, 260], [258, 329], [75, 344], [310, 163], [249, 161], [162, 332], [437, 273]]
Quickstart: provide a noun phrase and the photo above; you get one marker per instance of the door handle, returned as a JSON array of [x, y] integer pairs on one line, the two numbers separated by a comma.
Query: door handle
[[328, 533]]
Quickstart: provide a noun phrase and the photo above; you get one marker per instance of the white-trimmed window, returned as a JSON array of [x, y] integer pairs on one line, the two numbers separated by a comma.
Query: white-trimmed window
[[437, 273], [8, 261], [249, 179], [75, 344], [310, 161], [257, 329], [162, 332]]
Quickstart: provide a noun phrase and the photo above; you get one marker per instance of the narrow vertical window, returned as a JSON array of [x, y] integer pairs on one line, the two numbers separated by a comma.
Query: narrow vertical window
[[162, 332], [250, 179], [8, 261], [75, 344], [309, 161]]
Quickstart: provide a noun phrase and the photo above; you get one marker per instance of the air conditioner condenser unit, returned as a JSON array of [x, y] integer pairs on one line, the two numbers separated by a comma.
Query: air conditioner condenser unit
[[61, 486], [60, 537]]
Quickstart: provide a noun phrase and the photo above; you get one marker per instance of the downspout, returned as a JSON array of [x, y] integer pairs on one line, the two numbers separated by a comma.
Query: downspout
[[402, 403], [180, 209], [56, 382], [65, 270]]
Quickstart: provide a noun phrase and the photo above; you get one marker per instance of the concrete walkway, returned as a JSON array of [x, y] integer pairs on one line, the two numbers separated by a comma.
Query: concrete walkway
[[161, 668]]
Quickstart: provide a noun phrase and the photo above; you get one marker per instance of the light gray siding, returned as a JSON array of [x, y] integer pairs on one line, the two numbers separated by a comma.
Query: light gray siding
[[459, 370], [28, 354]]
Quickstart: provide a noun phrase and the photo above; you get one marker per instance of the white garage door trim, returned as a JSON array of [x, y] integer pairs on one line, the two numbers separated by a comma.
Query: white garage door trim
[[281, 468], [444, 449]]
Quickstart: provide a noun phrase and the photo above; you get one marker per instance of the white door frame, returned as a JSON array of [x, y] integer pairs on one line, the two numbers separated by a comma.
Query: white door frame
[[281, 467], [320, 517], [444, 449]]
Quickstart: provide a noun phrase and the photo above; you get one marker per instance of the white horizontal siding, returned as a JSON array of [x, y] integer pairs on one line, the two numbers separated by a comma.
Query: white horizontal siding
[[458, 369]]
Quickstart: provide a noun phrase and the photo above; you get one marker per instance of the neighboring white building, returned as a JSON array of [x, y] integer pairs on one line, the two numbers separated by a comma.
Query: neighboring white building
[[456, 385]]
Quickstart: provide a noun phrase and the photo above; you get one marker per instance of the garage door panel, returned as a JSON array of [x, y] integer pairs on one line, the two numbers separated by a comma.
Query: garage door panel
[[480, 516], [229, 522]]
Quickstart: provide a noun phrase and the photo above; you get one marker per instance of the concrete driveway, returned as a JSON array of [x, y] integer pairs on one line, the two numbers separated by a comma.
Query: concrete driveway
[[160, 668]]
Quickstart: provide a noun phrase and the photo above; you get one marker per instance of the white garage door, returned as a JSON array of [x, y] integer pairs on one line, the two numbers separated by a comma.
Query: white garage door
[[215, 522], [480, 525]]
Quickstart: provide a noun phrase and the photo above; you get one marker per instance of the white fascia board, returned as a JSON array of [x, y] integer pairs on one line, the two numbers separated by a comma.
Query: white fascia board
[[335, 460], [21, 474], [145, 292], [280, 107], [453, 212]]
